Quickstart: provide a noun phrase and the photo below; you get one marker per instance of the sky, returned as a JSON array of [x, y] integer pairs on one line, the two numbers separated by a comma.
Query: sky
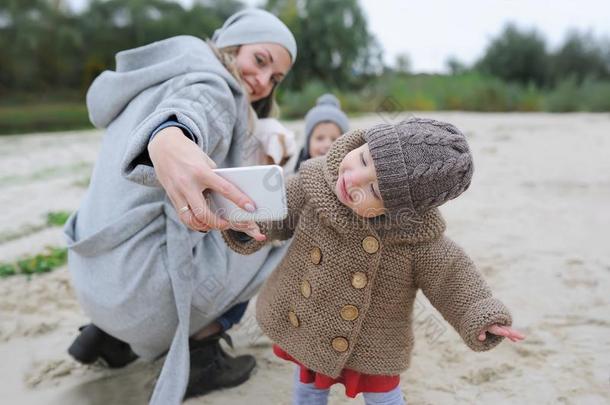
[[431, 31]]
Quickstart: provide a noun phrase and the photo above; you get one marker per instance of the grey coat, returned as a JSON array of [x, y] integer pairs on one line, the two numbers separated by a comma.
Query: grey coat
[[138, 272]]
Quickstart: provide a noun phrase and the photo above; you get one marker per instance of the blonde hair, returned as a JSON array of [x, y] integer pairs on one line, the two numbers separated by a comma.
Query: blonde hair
[[267, 106]]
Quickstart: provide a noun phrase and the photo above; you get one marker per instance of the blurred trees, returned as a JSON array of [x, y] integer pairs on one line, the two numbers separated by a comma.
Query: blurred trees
[[334, 44], [455, 66], [402, 63], [46, 46], [580, 57], [521, 56], [516, 56]]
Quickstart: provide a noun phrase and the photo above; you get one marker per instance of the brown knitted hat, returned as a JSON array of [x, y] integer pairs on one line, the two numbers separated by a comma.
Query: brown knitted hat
[[420, 164]]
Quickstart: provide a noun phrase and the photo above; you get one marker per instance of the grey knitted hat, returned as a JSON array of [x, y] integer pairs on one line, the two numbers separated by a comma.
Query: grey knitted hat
[[328, 108], [253, 26], [420, 164]]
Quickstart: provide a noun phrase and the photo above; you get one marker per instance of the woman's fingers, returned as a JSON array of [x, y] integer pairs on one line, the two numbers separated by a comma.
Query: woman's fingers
[[203, 214], [185, 211], [219, 185], [185, 171], [209, 161]]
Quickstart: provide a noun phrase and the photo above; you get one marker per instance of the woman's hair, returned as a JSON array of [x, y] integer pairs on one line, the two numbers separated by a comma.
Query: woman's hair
[[264, 108]]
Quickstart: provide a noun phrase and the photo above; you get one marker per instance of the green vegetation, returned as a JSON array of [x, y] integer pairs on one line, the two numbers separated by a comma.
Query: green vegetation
[[82, 182], [49, 55], [43, 117], [23, 231], [7, 269], [46, 173], [57, 218], [470, 91], [50, 259]]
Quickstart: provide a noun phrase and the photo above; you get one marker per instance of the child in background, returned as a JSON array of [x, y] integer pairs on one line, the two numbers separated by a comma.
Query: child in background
[[324, 123], [367, 236], [275, 143]]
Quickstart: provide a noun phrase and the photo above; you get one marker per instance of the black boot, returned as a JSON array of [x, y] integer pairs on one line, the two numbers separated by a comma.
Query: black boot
[[212, 368], [94, 343]]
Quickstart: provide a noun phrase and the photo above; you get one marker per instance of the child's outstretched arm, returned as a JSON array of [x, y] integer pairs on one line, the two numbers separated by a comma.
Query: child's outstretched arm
[[451, 282], [274, 230], [499, 330]]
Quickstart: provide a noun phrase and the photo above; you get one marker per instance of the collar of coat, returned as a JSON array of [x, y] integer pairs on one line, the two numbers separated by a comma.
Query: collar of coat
[[318, 178]]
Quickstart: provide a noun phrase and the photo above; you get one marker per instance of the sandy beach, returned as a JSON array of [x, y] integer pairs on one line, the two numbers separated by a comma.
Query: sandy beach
[[536, 221]]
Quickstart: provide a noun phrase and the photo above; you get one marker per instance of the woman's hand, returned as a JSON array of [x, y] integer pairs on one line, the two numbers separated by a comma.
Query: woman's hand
[[500, 330], [185, 172]]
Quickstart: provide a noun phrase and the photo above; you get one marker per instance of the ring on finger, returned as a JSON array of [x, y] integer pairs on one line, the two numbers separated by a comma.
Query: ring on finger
[[184, 209]]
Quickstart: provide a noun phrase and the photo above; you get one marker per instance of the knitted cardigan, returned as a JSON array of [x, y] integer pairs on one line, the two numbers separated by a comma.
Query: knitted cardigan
[[343, 295]]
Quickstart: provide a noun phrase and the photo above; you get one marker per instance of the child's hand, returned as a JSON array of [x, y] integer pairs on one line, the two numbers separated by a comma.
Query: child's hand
[[250, 228], [506, 331]]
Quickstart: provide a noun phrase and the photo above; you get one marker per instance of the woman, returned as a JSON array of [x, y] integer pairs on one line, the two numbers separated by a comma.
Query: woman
[[324, 123], [144, 269]]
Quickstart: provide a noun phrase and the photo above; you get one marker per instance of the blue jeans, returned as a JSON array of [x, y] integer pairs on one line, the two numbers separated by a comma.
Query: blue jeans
[[232, 316]]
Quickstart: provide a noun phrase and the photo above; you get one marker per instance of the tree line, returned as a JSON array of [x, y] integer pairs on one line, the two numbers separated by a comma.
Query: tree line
[[45, 47]]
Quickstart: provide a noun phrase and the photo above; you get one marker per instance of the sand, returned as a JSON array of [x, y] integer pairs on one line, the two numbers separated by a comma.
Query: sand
[[535, 220]]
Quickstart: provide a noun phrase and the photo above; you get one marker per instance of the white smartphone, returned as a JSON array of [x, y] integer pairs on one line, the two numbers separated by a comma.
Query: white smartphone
[[263, 184]]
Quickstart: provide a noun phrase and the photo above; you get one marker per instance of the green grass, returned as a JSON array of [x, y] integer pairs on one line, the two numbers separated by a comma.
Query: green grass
[[54, 218], [45, 117], [22, 232], [591, 95], [57, 218], [49, 260], [469, 91], [7, 269], [82, 182], [46, 173], [465, 92]]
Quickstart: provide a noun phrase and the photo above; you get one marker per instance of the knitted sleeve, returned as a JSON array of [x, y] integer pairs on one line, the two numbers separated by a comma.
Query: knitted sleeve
[[273, 230], [451, 282]]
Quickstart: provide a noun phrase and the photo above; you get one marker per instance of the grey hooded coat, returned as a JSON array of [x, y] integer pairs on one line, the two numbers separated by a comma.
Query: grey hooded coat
[[138, 272]]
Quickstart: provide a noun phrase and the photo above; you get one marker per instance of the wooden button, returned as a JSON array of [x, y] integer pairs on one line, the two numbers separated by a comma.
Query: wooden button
[[294, 320], [315, 255], [340, 344], [370, 244], [359, 280], [305, 288], [349, 312]]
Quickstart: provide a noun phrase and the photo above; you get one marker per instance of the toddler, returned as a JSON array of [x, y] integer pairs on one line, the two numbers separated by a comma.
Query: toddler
[[368, 235]]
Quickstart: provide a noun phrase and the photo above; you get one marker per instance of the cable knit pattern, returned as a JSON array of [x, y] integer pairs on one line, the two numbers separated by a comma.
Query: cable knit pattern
[[420, 163], [343, 295]]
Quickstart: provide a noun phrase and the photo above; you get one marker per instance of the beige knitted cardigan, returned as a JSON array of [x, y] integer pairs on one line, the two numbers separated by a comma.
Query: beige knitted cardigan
[[343, 295]]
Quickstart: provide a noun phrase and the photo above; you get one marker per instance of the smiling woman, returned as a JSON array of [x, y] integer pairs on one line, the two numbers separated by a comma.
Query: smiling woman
[[260, 68], [144, 269]]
